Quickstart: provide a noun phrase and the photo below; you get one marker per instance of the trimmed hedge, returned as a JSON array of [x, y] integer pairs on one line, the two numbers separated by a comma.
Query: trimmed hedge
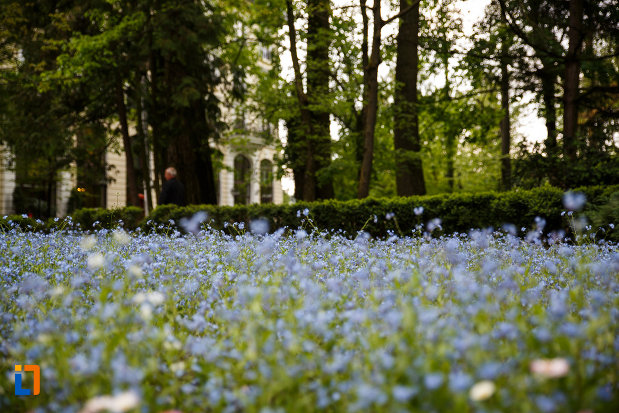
[[458, 212], [129, 218]]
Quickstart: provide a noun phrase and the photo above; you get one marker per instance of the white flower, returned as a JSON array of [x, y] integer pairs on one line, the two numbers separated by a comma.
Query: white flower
[[146, 311], [152, 297], [418, 210], [550, 368], [139, 298], [95, 261], [56, 291], [88, 242], [119, 403], [121, 237], [177, 367], [482, 390], [155, 297], [135, 271]]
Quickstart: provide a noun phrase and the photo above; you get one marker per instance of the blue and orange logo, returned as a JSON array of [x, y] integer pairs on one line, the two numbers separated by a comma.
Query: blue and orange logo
[[18, 380]]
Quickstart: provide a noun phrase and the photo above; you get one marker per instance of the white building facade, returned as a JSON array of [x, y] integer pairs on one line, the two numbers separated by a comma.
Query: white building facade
[[248, 176]]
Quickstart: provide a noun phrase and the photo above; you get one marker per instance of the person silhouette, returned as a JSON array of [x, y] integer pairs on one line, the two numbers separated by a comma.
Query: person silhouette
[[173, 191]]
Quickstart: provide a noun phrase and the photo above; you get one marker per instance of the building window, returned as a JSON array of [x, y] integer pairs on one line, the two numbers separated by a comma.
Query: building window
[[266, 181], [242, 175], [266, 53], [239, 121]]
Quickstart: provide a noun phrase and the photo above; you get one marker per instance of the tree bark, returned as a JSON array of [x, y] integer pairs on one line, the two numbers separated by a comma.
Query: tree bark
[[318, 43], [451, 144], [294, 155], [365, 59], [141, 134], [371, 104], [154, 110], [309, 175], [572, 79], [132, 188], [550, 111], [506, 169], [409, 170], [188, 149]]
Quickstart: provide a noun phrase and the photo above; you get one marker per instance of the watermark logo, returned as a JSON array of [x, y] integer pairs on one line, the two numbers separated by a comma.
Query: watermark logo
[[19, 391]]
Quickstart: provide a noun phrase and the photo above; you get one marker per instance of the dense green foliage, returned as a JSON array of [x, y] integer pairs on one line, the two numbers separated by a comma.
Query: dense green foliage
[[457, 212], [178, 80], [377, 216]]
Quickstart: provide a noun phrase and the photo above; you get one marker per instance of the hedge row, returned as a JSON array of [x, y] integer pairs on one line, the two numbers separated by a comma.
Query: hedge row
[[130, 218], [458, 213]]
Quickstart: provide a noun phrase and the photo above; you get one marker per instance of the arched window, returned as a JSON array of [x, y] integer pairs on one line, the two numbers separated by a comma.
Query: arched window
[[242, 175], [266, 181]]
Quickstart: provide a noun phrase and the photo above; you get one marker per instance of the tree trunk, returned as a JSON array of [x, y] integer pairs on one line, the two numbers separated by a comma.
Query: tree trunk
[[506, 169], [572, 81], [365, 59], [309, 176], [203, 167], [406, 142], [371, 105], [450, 152], [154, 111], [550, 111], [451, 143], [294, 152], [132, 188], [318, 42], [141, 134], [50, 188], [189, 151]]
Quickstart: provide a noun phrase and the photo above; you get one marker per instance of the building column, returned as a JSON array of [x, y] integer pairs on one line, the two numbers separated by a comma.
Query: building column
[[7, 184], [254, 182], [66, 181], [226, 179]]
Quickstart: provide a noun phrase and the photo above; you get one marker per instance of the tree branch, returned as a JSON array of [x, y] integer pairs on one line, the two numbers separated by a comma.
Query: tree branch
[[520, 33], [292, 34], [400, 14]]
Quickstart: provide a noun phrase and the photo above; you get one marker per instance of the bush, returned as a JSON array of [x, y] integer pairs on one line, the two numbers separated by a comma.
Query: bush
[[85, 219], [608, 213], [458, 212], [97, 218]]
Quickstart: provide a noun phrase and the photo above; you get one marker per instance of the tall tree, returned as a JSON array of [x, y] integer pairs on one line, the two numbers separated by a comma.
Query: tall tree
[[314, 110], [370, 104], [318, 71], [572, 78], [506, 168], [542, 27], [185, 74], [36, 124], [406, 142]]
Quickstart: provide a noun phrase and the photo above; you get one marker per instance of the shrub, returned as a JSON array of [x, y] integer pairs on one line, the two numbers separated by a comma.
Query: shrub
[[608, 213], [458, 212], [97, 218]]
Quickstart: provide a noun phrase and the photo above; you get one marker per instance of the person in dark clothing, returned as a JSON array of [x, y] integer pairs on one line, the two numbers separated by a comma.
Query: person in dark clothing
[[173, 191]]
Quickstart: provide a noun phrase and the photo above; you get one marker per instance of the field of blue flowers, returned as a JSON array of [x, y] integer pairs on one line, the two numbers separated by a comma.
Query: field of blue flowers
[[482, 322]]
